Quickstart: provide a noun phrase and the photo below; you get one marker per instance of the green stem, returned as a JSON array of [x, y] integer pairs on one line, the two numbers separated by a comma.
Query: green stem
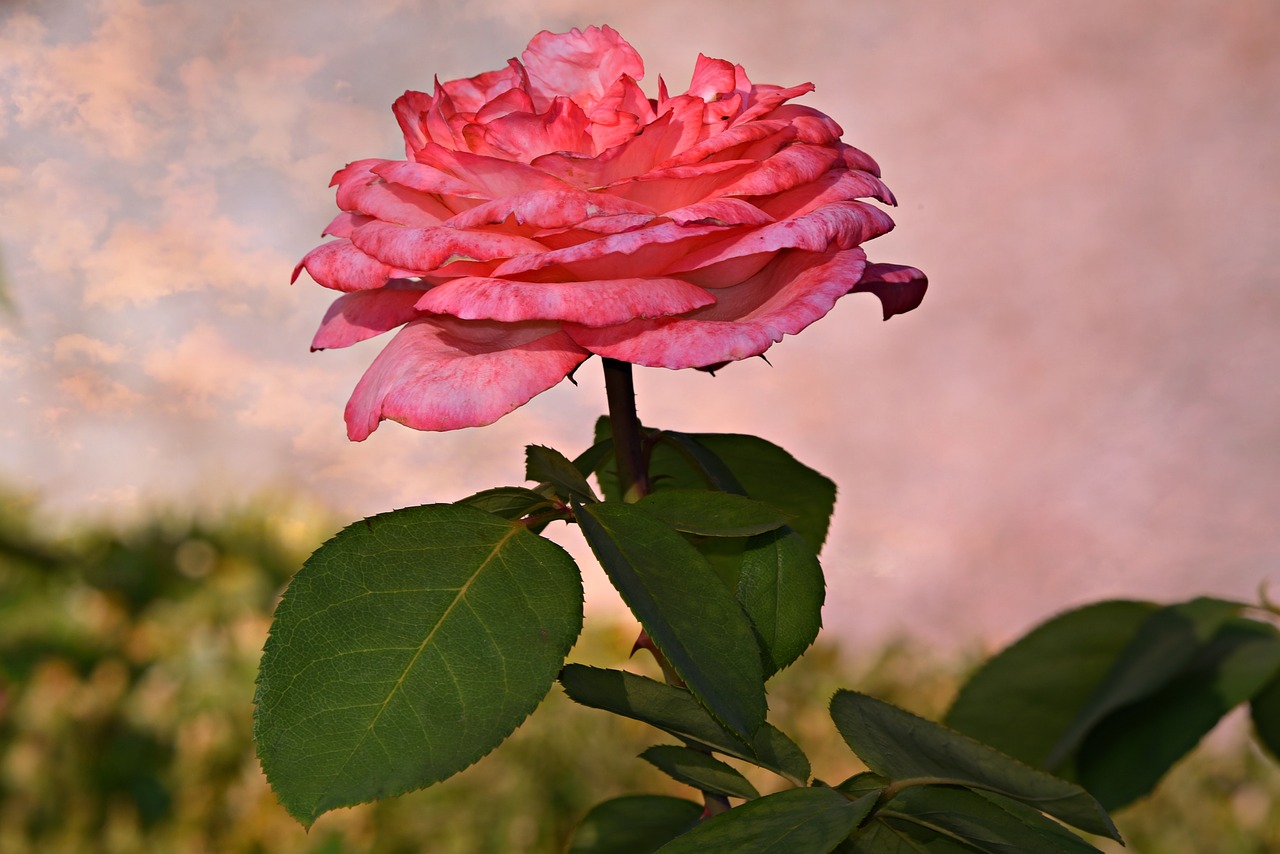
[[628, 447]]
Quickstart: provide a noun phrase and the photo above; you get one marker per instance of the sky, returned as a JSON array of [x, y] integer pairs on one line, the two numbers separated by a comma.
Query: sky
[[1085, 406]]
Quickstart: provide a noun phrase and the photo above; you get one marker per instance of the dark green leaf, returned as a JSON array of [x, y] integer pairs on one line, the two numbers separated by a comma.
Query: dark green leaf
[[731, 462], [408, 646], [636, 824], [768, 473], [547, 465], [712, 514], [509, 502], [899, 745], [705, 465], [894, 833], [796, 821], [695, 768], [1128, 752], [863, 783], [595, 457], [988, 822], [674, 710], [688, 613], [1264, 709], [782, 589], [1024, 698], [1163, 645]]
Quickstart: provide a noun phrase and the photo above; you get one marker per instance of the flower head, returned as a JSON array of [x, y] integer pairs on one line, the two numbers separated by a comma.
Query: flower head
[[549, 210]]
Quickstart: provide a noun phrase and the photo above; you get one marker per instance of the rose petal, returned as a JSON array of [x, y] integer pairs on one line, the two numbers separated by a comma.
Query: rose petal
[[899, 288], [361, 190], [547, 209], [428, 249], [635, 156], [510, 101], [591, 303], [363, 314], [814, 126], [790, 167], [427, 179], [831, 187], [620, 114], [343, 267], [720, 212], [410, 110], [645, 252], [855, 159], [678, 186], [840, 225], [763, 100], [581, 64], [472, 93], [525, 136], [782, 299], [722, 143], [712, 79], [490, 176], [342, 224], [439, 374]]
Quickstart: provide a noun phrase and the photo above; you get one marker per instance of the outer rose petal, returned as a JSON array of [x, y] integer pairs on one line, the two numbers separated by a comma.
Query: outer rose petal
[[782, 299], [592, 303], [363, 314], [362, 190], [341, 266], [898, 287], [439, 374]]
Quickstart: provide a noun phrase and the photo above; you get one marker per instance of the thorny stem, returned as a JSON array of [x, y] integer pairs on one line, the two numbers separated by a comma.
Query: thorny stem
[[628, 447]]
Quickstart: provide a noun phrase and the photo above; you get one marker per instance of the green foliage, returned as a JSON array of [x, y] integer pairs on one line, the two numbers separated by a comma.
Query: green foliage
[[410, 645], [1112, 695], [125, 727], [694, 621], [697, 768], [908, 750], [636, 824], [675, 711], [415, 642], [940, 819], [712, 514], [781, 587], [797, 820], [1056, 668]]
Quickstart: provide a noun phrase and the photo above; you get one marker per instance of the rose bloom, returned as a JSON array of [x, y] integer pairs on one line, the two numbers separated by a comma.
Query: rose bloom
[[549, 210]]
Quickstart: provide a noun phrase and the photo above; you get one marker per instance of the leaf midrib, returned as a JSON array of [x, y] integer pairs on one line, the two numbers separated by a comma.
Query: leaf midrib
[[426, 641]]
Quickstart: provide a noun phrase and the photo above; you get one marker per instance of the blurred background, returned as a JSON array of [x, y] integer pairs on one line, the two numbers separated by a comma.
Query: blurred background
[[1085, 406]]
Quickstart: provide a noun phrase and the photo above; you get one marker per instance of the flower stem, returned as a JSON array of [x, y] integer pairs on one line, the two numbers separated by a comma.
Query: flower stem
[[628, 448]]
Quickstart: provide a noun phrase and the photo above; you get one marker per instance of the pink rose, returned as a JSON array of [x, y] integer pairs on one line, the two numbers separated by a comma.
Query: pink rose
[[549, 210]]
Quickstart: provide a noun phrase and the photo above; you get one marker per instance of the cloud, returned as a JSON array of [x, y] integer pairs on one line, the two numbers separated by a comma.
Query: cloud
[[97, 392], [200, 373], [105, 90], [78, 346]]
